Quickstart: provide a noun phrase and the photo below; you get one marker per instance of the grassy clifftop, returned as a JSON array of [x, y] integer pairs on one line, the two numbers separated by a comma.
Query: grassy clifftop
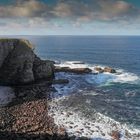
[[15, 41]]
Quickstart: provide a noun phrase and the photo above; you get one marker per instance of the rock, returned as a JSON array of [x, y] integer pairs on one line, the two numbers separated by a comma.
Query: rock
[[43, 69], [110, 70], [19, 65], [78, 62], [61, 69], [73, 70], [60, 81], [100, 70], [28, 120], [80, 70], [106, 69], [115, 135]]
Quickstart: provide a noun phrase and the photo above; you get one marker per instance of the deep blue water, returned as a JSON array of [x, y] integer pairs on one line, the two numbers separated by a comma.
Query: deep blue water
[[120, 52], [120, 101]]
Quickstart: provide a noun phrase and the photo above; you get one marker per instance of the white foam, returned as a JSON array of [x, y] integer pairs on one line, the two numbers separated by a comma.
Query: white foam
[[6, 95], [99, 128], [102, 125], [72, 64], [126, 78], [103, 78]]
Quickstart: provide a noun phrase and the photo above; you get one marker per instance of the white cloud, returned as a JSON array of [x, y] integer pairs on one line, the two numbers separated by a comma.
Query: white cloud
[[30, 8], [36, 15]]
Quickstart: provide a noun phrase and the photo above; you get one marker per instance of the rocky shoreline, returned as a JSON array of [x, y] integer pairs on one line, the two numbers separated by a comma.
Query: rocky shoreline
[[26, 117]]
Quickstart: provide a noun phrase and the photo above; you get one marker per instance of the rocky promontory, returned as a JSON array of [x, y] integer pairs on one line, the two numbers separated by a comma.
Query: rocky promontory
[[31, 79], [26, 117], [20, 65]]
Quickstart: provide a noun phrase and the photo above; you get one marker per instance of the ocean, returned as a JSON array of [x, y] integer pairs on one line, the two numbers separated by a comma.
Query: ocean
[[107, 100]]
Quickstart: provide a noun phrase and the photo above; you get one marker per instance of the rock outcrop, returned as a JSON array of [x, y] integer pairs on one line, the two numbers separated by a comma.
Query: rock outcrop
[[106, 69], [110, 70], [73, 70], [19, 64]]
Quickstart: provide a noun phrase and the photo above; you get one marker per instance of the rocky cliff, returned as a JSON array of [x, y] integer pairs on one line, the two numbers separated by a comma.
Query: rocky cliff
[[19, 64]]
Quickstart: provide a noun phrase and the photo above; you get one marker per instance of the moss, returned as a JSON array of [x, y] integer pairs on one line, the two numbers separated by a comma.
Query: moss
[[20, 41]]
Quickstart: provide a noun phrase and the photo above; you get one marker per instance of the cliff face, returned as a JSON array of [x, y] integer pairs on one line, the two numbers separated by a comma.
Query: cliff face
[[19, 64]]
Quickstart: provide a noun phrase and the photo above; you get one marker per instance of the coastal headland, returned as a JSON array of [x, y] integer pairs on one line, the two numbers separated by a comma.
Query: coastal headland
[[26, 116]]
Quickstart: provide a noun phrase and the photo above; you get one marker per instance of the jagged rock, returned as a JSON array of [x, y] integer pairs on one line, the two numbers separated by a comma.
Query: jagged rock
[[60, 81], [43, 69], [19, 64], [80, 70], [110, 70], [73, 70], [106, 69], [61, 69], [100, 70]]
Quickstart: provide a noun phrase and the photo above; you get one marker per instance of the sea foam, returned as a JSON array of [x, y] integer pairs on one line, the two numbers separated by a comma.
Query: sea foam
[[103, 78], [101, 126], [98, 128]]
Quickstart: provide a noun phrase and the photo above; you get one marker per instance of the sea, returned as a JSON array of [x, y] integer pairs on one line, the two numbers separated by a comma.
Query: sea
[[93, 105]]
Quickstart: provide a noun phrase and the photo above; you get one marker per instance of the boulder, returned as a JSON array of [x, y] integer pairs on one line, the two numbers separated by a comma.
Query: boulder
[[19, 64], [100, 70], [110, 70], [80, 70], [106, 69], [115, 135]]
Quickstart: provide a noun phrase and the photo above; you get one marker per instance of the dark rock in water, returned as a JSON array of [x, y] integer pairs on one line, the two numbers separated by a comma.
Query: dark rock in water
[[60, 81], [73, 70], [100, 70], [19, 64], [106, 69], [78, 62], [80, 70], [110, 70], [61, 69], [115, 135]]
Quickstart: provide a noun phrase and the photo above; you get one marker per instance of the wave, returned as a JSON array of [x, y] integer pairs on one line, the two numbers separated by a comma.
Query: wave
[[103, 78], [86, 85], [98, 126]]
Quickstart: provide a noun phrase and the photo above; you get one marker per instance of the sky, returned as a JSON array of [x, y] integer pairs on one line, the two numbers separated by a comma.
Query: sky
[[69, 17]]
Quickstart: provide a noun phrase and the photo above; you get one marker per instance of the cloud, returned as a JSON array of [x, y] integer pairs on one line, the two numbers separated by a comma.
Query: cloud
[[94, 10], [72, 9], [36, 14], [30, 8]]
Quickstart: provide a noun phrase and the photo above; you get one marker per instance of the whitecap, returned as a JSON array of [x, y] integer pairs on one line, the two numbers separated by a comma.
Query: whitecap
[[72, 64], [99, 127], [103, 78]]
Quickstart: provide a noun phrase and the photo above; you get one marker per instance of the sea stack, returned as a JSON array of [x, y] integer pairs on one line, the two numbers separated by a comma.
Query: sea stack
[[19, 64]]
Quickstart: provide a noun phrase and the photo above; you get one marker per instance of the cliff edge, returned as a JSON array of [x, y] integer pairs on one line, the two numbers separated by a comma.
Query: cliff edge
[[20, 65]]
